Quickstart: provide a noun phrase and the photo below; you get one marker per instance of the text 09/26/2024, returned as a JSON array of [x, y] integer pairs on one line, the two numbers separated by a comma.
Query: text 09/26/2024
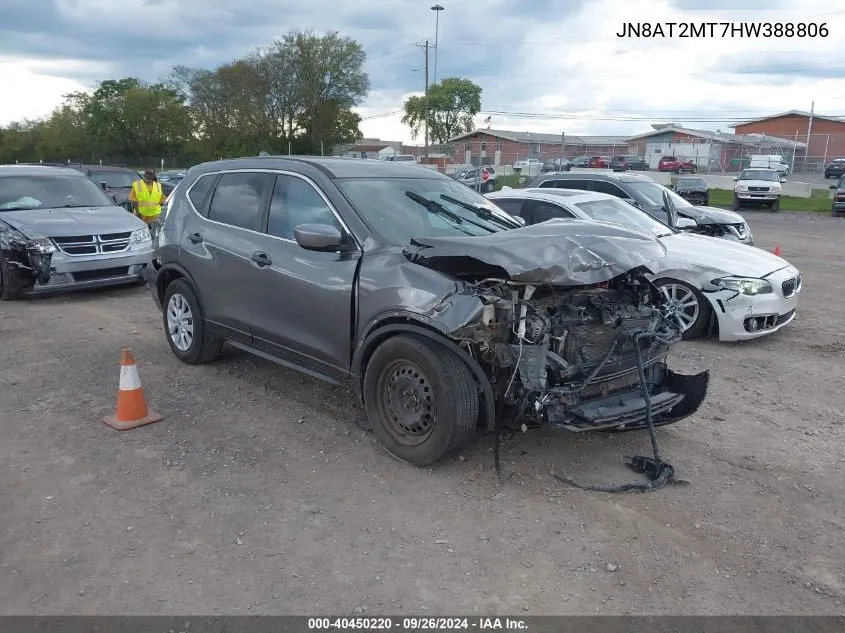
[[723, 30]]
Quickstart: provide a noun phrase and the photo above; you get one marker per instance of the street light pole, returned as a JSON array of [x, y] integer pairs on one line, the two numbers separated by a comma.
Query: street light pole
[[437, 8]]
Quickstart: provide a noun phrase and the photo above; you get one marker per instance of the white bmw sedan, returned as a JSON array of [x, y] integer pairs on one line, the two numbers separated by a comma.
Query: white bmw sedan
[[713, 285]]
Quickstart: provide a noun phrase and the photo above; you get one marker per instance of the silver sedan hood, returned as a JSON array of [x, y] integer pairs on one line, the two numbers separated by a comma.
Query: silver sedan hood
[[35, 223]]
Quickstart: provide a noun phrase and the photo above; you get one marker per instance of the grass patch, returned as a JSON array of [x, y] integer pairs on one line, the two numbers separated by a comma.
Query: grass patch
[[818, 202]]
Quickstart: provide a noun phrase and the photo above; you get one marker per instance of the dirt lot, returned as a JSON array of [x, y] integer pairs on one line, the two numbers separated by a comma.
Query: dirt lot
[[259, 494]]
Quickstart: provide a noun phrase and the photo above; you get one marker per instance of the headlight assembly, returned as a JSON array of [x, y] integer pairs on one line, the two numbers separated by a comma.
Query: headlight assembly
[[741, 188], [140, 236], [43, 245], [744, 285]]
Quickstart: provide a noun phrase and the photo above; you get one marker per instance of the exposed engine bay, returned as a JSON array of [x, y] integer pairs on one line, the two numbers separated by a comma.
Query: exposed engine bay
[[571, 356]]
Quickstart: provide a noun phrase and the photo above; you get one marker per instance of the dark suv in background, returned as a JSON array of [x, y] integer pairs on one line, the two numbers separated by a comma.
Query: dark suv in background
[[839, 198], [628, 162], [115, 180], [650, 196]]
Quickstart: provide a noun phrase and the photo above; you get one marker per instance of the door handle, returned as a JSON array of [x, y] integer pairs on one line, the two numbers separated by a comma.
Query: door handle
[[195, 238], [262, 259]]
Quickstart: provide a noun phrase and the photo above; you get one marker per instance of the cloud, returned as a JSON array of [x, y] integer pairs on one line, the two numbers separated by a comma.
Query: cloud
[[545, 66]]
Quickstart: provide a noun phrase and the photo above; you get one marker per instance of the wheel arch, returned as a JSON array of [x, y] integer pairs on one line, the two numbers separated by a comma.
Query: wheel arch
[[397, 324], [170, 273]]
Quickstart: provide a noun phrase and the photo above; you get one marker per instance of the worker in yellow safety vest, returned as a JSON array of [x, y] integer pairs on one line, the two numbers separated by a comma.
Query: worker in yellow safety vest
[[147, 197]]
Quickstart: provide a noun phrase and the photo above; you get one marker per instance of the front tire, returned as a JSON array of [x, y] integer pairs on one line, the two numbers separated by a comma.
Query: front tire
[[185, 327], [736, 205], [689, 304], [775, 206], [10, 285], [421, 399]]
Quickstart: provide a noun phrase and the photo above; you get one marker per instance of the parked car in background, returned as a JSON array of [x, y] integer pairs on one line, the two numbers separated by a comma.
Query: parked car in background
[[628, 162], [527, 163], [693, 189], [470, 178], [599, 162], [676, 165], [402, 158], [835, 168], [758, 187], [556, 164], [581, 161], [739, 291], [60, 231], [114, 179], [651, 197], [770, 161], [838, 208], [169, 180], [436, 308]]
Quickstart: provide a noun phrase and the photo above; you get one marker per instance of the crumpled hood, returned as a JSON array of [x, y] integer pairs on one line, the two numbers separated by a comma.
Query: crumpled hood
[[720, 256], [66, 222], [558, 252], [710, 215]]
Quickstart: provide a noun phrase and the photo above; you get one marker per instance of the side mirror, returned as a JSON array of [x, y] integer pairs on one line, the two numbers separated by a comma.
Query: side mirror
[[783, 179], [686, 224], [734, 178], [519, 220], [322, 238]]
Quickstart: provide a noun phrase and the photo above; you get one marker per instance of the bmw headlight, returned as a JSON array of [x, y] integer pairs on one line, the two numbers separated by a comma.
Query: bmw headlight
[[744, 285], [140, 237]]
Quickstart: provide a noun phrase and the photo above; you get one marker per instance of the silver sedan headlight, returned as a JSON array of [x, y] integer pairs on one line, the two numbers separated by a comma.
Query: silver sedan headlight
[[744, 285]]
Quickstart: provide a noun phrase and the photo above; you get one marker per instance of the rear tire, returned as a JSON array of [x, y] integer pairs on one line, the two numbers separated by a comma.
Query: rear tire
[[421, 399], [185, 327], [696, 318], [10, 285]]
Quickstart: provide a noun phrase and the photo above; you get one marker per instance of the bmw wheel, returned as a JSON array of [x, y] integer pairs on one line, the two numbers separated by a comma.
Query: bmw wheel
[[687, 305]]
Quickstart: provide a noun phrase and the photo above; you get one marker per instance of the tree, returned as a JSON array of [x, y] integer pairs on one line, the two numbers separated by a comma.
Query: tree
[[452, 104]]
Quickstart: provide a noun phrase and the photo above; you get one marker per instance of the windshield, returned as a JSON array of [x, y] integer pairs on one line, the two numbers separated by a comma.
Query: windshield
[[616, 211], [388, 209], [653, 193], [50, 192], [759, 174], [114, 179]]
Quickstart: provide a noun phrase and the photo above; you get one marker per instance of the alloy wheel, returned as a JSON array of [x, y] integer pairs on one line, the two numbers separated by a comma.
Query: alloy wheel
[[682, 304], [180, 322]]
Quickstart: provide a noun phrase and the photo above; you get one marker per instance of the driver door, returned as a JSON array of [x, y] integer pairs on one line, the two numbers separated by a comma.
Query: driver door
[[302, 300]]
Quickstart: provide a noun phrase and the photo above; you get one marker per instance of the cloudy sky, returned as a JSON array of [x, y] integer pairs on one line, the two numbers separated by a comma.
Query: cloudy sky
[[544, 65]]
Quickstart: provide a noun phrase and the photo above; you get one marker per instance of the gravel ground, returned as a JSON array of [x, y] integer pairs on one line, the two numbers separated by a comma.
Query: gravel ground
[[258, 494]]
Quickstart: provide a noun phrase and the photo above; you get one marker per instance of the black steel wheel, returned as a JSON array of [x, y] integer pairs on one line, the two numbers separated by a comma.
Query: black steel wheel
[[421, 399]]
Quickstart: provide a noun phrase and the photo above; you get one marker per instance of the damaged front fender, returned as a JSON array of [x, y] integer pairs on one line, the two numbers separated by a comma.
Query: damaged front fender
[[25, 261]]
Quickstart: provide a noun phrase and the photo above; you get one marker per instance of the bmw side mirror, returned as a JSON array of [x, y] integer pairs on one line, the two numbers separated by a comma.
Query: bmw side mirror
[[322, 238], [686, 224]]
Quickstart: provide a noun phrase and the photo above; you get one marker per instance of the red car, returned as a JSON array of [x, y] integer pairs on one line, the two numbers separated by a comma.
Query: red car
[[602, 162], [677, 165]]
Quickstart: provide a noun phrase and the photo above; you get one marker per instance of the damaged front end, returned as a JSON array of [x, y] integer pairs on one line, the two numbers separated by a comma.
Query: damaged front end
[[571, 328], [25, 261], [569, 356]]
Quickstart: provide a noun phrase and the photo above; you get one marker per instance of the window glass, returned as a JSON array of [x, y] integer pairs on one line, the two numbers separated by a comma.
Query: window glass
[[237, 199], [47, 191], [296, 202], [619, 212], [114, 179], [572, 184], [543, 211], [200, 189], [601, 186], [514, 207]]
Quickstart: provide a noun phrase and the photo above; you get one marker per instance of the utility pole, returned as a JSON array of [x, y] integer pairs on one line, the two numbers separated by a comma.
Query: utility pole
[[562, 149], [425, 120]]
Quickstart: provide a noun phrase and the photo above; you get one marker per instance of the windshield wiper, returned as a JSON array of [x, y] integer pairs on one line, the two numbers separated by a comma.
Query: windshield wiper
[[480, 212], [432, 206]]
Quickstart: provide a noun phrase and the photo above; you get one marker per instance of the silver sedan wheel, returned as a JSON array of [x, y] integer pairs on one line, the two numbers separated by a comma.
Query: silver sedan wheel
[[180, 322], [681, 303]]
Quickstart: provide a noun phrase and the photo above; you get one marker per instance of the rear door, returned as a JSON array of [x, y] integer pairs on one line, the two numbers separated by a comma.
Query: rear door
[[217, 244], [302, 300]]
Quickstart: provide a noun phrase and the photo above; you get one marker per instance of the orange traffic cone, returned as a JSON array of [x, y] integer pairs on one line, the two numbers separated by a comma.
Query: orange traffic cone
[[132, 408], [777, 250]]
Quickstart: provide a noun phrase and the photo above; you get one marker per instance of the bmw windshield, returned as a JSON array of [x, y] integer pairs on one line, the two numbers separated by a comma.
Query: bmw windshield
[[616, 211], [50, 192], [401, 209]]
